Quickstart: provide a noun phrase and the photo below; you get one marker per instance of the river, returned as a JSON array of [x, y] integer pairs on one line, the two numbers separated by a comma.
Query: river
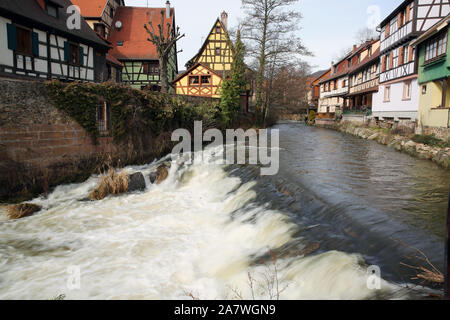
[[338, 205]]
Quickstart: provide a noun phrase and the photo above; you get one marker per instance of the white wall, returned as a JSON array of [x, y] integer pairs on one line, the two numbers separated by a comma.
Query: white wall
[[396, 103], [6, 55]]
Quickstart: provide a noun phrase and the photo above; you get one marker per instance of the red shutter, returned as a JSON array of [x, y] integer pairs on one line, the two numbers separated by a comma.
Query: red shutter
[[408, 12], [400, 18], [411, 53], [401, 55], [383, 64], [391, 62], [387, 30]]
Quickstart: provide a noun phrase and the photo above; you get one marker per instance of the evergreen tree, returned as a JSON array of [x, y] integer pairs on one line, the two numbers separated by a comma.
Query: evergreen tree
[[234, 85]]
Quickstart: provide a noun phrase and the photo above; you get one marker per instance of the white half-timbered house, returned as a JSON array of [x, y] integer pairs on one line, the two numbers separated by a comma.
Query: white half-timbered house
[[398, 95], [36, 43]]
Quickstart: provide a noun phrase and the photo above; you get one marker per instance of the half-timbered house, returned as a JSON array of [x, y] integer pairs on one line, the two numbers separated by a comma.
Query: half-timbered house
[[434, 79], [99, 14], [363, 77], [138, 55], [398, 95], [313, 88], [334, 89], [210, 65], [36, 43]]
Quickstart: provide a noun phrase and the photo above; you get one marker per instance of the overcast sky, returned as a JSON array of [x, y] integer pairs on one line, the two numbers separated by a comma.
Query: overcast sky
[[327, 27]]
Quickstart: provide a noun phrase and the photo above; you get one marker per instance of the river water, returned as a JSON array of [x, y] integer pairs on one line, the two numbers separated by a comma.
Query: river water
[[338, 205]]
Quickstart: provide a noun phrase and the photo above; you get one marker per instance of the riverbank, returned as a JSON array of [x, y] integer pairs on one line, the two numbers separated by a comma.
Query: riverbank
[[433, 149]]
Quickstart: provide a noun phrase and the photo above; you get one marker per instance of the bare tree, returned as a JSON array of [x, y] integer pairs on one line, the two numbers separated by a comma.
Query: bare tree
[[164, 41], [269, 30], [365, 34]]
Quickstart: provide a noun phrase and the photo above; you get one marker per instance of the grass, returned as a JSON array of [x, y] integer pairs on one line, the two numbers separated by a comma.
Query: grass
[[110, 183], [430, 140]]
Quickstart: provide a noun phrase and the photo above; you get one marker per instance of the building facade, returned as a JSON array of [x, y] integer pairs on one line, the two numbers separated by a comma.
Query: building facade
[[363, 77], [398, 95], [334, 89], [37, 44], [138, 55], [210, 66], [313, 88], [99, 14], [434, 76]]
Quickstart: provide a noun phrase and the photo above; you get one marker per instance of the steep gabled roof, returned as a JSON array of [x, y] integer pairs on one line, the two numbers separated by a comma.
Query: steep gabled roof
[[30, 10], [133, 35], [395, 12], [91, 8], [205, 43]]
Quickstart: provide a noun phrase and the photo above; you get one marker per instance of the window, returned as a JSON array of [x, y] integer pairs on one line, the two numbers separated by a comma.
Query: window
[[111, 12], [119, 43], [424, 89], [100, 29], [218, 29], [151, 68], [103, 117], [436, 47], [387, 94], [217, 51], [407, 90], [194, 80], [51, 10], [74, 54], [24, 44], [206, 79]]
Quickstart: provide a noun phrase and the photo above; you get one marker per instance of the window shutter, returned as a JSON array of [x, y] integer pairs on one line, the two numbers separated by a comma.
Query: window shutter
[[411, 53], [408, 13], [391, 62], [401, 55], [81, 56], [388, 27], [66, 51], [35, 43], [12, 36]]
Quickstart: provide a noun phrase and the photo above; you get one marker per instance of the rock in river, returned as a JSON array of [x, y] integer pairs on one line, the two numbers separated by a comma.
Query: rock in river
[[136, 182]]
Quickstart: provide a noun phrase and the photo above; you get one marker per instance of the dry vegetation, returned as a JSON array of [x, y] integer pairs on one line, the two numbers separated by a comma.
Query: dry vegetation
[[21, 210], [110, 183]]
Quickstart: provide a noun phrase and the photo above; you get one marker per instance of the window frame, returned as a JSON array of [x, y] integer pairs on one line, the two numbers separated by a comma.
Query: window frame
[[434, 45], [19, 50], [75, 46], [387, 94], [193, 83], [407, 90]]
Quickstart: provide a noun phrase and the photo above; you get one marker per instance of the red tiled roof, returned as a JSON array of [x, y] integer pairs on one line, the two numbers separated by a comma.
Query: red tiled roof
[[368, 59], [113, 60], [133, 35], [91, 8]]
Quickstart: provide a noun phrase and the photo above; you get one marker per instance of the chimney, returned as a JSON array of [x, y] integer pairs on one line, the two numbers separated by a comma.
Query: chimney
[[41, 3], [168, 9], [354, 47], [224, 19], [332, 67]]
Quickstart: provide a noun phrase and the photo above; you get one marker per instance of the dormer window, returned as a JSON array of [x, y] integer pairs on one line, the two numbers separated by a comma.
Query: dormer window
[[51, 9]]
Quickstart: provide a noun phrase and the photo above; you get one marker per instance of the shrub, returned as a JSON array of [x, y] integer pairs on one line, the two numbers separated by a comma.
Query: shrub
[[430, 140]]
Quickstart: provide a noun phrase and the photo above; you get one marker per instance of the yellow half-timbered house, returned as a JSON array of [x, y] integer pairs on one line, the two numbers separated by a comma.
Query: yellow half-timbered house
[[210, 66]]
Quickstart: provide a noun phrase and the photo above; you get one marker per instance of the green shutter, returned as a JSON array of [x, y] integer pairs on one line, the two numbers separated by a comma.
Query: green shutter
[[66, 51], [12, 36], [81, 56], [35, 43]]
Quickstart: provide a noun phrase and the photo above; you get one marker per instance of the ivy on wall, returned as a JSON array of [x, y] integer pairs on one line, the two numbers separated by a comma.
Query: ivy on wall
[[133, 112]]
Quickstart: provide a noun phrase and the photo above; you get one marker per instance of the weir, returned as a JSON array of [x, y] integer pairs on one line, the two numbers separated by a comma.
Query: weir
[[204, 229]]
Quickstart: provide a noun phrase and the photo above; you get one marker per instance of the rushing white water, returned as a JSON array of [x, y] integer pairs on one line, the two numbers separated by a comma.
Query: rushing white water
[[196, 233]]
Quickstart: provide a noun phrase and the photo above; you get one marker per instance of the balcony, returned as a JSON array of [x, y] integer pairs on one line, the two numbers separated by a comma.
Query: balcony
[[337, 92], [395, 37]]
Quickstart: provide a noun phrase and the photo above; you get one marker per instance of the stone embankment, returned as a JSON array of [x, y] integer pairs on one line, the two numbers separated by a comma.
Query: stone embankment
[[399, 142]]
